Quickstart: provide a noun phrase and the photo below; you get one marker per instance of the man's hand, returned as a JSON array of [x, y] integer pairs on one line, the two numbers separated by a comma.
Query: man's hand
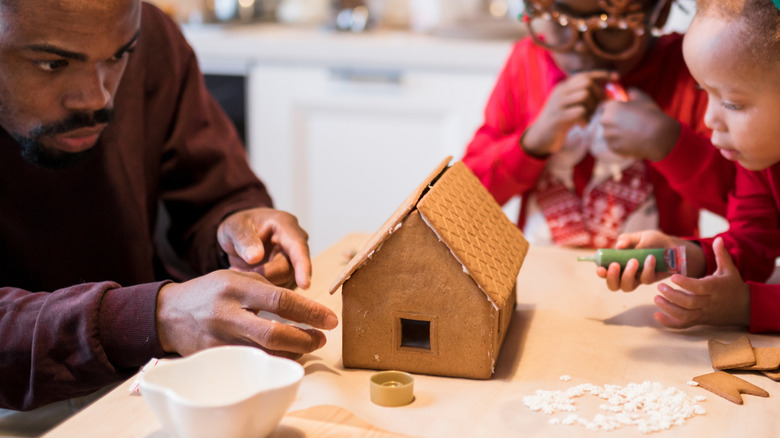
[[221, 309], [572, 101], [639, 128], [719, 299], [269, 242]]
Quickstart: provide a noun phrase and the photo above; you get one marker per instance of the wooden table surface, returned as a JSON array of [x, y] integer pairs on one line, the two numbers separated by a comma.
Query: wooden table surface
[[566, 323]]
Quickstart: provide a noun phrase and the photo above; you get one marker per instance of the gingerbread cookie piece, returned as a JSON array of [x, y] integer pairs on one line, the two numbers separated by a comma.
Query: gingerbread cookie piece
[[728, 386], [773, 374], [737, 354], [767, 359]]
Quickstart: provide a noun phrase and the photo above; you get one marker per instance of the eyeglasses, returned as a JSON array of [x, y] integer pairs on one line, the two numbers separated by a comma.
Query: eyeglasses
[[614, 35]]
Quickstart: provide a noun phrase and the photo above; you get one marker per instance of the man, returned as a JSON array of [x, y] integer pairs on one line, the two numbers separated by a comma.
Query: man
[[104, 118]]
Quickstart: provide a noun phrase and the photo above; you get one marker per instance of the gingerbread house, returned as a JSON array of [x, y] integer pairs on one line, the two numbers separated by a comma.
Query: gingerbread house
[[434, 290]]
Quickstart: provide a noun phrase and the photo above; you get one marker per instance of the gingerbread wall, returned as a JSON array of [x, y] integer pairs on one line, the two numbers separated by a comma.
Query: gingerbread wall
[[414, 276]]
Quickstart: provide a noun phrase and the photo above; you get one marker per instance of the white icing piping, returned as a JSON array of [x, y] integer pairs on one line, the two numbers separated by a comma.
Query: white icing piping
[[466, 271], [371, 254]]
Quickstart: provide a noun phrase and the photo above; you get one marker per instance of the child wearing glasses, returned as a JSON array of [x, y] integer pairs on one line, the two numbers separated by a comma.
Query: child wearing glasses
[[733, 51], [597, 125]]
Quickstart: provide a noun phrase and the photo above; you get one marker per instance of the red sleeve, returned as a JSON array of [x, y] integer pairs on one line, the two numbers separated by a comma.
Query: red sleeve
[[753, 238], [73, 341], [697, 169], [494, 154], [764, 307]]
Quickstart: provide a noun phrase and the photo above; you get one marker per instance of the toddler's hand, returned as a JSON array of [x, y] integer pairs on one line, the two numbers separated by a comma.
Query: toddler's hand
[[639, 128], [630, 278], [719, 299]]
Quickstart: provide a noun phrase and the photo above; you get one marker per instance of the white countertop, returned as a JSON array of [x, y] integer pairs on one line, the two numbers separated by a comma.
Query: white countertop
[[233, 49]]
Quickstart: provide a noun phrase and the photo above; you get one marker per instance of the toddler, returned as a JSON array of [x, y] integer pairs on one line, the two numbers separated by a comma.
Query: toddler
[[733, 50]]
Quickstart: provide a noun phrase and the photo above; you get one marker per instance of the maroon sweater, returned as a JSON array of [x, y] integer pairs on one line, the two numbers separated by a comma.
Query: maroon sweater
[[79, 266]]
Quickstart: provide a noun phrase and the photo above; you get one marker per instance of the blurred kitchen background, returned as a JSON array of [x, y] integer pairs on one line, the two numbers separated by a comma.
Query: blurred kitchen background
[[346, 105]]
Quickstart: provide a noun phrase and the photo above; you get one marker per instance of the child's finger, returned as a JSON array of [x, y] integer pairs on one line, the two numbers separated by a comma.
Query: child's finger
[[575, 98], [683, 299], [722, 257], [648, 270], [583, 99], [676, 316], [635, 94], [693, 285], [583, 78], [601, 272], [627, 240], [613, 277], [628, 281], [574, 114], [668, 321]]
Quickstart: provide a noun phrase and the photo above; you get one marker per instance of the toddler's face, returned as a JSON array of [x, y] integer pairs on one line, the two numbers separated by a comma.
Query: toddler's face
[[744, 95]]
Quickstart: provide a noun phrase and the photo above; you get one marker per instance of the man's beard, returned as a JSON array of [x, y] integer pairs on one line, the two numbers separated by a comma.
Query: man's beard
[[37, 153]]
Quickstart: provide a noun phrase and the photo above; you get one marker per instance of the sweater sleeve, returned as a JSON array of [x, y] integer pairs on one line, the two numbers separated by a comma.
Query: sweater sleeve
[[753, 237], [73, 341], [698, 170], [494, 154], [764, 307]]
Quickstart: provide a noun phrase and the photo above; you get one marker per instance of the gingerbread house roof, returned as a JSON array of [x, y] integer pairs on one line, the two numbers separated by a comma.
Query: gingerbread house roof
[[468, 221]]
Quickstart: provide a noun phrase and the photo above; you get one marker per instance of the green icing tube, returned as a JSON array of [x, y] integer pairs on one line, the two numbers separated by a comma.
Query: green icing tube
[[666, 259]]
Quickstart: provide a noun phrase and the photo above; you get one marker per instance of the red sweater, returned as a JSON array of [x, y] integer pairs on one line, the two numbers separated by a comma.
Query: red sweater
[[80, 272], [693, 170], [753, 240]]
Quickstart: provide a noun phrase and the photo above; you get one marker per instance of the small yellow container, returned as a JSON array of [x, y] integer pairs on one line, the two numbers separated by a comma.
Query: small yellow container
[[392, 388]]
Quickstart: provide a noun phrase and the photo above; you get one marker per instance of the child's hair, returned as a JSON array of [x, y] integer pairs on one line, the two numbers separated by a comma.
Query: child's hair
[[762, 18]]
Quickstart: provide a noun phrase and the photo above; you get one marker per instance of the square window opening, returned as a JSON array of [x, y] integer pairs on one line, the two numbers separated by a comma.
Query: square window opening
[[416, 334]]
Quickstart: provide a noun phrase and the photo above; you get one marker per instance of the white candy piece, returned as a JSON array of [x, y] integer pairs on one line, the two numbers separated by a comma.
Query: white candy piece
[[650, 406]]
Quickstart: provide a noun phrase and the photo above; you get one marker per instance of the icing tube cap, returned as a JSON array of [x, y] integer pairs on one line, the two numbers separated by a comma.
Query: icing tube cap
[[392, 388]]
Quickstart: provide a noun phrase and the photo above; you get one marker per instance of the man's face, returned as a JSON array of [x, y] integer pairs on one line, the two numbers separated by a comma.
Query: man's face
[[744, 94], [60, 66]]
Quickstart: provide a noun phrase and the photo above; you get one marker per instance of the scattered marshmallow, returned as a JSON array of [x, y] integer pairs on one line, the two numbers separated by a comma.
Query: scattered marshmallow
[[650, 406]]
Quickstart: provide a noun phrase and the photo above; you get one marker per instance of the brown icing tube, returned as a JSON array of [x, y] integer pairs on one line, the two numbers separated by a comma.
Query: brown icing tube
[[666, 259]]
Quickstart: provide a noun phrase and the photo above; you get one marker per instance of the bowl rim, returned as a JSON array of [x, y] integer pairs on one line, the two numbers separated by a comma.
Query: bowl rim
[[173, 395]]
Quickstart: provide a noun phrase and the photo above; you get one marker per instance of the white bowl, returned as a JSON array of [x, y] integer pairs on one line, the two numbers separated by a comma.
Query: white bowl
[[227, 392]]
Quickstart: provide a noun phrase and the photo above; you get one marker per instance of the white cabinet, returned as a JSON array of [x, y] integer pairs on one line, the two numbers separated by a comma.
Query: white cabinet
[[342, 146], [343, 126]]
